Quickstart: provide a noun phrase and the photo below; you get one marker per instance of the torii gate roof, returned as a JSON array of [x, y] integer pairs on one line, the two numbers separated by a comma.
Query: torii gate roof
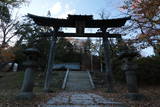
[[72, 19]]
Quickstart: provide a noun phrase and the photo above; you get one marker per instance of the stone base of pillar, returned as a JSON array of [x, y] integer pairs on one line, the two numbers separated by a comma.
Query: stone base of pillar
[[25, 96], [134, 96]]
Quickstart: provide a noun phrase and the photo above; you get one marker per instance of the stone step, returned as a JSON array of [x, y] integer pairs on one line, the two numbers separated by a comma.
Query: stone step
[[78, 81], [108, 105], [81, 99]]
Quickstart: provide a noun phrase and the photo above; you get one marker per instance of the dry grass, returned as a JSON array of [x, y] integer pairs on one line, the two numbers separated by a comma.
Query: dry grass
[[10, 84], [151, 93]]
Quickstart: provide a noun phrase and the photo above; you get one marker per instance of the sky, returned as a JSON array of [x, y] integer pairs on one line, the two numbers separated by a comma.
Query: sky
[[61, 8]]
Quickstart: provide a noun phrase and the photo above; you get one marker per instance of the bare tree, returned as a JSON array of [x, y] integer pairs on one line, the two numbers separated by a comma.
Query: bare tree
[[7, 23], [7, 32]]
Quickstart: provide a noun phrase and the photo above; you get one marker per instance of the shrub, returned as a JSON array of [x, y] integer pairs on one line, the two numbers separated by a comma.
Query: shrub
[[148, 71]]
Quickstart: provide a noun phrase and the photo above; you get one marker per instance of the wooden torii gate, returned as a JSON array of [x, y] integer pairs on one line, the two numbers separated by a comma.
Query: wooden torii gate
[[80, 22]]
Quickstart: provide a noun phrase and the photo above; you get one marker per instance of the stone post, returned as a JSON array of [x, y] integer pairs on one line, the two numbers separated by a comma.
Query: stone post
[[109, 75], [52, 52], [28, 82], [129, 67]]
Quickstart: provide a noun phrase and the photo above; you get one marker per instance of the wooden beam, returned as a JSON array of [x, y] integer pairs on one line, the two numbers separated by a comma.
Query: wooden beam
[[90, 23], [99, 34]]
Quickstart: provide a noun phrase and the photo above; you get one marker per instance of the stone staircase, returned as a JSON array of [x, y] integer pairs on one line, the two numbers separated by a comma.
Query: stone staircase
[[78, 80], [73, 96]]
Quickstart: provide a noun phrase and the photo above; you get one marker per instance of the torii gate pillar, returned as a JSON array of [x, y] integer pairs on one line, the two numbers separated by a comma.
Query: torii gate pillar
[[51, 58], [109, 76]]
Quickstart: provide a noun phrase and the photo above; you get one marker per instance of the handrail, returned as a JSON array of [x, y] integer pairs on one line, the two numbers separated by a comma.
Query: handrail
[[65, 79], [90, 79]]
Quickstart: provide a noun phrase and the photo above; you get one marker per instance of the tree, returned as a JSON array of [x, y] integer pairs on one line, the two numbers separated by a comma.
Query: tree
[[87, 46], [7, 29], [30, 36], [97, 49], [66, 48], [7, 55], [144, 22], [13, 3], [7, 23]]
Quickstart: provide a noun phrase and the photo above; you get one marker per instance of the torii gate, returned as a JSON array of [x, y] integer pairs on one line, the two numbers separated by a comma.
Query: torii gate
[[80, 22]]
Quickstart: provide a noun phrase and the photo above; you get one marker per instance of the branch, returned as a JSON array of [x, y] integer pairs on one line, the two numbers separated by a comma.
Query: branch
[[10, 38]]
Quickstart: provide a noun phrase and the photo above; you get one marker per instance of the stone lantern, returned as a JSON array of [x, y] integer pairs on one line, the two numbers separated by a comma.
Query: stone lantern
[[129, 67], [28, 82]]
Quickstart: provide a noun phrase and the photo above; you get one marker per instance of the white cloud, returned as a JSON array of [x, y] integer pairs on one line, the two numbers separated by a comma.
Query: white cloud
[[59, 12], [66, 11], [56, 8]]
